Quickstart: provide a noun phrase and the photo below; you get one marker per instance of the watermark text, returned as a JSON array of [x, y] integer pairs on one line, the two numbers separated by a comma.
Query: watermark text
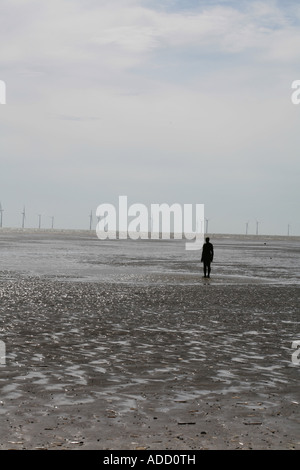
[[296, 94], [296, 354], [161, 221], [2, 353], [2, 92]]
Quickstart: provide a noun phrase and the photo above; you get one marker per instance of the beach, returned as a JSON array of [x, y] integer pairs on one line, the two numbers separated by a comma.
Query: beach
[[122, 344]]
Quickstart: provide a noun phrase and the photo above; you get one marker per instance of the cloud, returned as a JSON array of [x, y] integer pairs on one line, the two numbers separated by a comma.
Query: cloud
[[123, 34], [132, 92]]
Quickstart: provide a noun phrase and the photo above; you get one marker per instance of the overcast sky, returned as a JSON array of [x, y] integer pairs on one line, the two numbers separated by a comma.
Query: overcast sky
[[163, 101]]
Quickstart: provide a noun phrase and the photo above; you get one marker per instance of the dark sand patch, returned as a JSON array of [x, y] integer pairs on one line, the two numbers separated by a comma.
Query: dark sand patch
[[161, 366]]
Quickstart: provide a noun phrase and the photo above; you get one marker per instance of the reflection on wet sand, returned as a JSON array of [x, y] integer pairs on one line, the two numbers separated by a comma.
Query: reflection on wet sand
[[123, 364]]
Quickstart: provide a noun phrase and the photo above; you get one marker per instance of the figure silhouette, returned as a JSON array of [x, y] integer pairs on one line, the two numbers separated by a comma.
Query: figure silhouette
[[207, 256]]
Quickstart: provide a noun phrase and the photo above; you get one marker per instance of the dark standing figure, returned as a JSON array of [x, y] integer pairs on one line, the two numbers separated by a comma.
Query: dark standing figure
[[207, 256]]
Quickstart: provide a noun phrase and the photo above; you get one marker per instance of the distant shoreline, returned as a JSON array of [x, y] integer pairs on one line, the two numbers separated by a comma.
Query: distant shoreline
[[92, 234]]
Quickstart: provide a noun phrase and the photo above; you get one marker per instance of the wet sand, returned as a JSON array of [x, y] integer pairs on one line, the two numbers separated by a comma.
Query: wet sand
[[165, 366], [150, 359]]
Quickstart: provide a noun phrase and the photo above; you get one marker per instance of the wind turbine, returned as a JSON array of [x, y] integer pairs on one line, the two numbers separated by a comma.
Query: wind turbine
[[288, 230], [1, 214], [247, 226], [23, 217], [40, 220], [91, 219], [257, 223], [206, 222], [201, 227], [52, 221]]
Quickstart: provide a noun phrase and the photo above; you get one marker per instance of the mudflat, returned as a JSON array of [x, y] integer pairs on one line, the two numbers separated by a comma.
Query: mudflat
[[177, 362]]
